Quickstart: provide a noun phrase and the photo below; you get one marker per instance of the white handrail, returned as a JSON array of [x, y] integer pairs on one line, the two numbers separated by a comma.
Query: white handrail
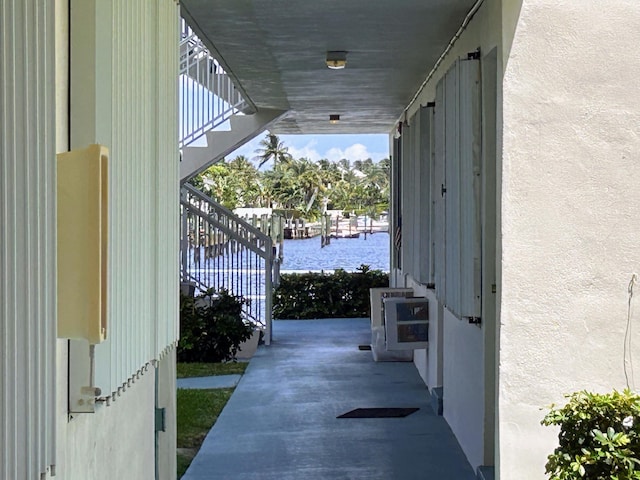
[[222, 250], [207, 95]]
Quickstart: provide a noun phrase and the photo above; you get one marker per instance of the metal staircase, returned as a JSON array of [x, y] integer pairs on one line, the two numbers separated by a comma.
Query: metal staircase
[[209, 101], [207, 95], [219, 250], [196, 159]]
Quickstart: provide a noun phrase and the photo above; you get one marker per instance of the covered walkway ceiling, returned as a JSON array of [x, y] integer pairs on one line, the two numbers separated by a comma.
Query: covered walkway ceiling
[[276, 50]]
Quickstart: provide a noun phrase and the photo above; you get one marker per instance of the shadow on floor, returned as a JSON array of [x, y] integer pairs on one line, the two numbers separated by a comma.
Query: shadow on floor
[[281, 421]]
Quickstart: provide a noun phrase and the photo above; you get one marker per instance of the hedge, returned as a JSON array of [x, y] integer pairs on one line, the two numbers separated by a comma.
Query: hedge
[[327, 295]]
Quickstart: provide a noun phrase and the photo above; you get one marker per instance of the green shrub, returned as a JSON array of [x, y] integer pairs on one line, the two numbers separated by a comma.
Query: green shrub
[[327, 295], [599, 437], [211, 327]]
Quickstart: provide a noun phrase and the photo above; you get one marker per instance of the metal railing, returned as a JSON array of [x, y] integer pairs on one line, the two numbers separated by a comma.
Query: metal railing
[[221, 250], [208, 97]]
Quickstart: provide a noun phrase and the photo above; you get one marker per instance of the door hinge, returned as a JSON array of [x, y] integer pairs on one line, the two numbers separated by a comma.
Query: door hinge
[[474, 55], [161, 425], [475, 320]]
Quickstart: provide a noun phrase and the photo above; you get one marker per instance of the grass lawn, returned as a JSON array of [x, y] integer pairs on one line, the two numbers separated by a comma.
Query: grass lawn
[[197, 411], [185, 370]]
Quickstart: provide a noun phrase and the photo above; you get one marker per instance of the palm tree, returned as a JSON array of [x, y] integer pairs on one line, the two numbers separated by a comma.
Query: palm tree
[[245, 181], [272, 147]]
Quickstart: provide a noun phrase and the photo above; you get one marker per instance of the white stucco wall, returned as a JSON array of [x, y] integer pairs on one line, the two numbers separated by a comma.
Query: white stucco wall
[[428, 361], [570, 202], [463, 382], [117, 441], [166, 398]]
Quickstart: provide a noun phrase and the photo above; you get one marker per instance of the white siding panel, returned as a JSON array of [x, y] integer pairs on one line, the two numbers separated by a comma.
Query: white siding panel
[[452, 196], [439, 181], [27, 238], [133, 52], [396, 194], [425, 197], [407, 197], [416, 189], [166, 188], [470, 167]]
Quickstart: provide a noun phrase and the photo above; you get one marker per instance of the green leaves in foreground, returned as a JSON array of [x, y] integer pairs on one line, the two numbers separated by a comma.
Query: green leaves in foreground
[[599, 437]]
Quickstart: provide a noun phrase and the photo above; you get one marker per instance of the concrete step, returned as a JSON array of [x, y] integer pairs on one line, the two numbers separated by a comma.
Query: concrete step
[[222, 142]]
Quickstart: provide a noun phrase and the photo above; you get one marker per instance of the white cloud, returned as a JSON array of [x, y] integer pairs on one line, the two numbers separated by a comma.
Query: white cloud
[[314, 150], [357, 151], [307, 151]]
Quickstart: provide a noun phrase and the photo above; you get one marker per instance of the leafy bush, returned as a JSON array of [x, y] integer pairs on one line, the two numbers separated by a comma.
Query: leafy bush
[[326, 295], [211, 327], [599, 437]]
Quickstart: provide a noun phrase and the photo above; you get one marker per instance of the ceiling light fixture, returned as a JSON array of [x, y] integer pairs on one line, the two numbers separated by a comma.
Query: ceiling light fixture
[[336, 59], [333, 119]]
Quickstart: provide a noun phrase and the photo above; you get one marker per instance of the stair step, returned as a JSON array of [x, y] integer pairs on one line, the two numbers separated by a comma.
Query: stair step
[[222, 142]]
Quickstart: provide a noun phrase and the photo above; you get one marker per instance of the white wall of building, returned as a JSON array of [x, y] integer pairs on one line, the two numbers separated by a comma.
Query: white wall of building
[[27, 239], [123, 95], [570, 200], [566, 198], [117, 441], [429, 361]]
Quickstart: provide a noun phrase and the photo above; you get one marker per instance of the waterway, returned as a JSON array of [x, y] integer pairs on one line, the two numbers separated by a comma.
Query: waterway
[[346, 253]]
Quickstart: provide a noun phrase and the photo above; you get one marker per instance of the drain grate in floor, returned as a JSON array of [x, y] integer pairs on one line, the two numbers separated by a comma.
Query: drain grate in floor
[[379, 413], [364, 347]]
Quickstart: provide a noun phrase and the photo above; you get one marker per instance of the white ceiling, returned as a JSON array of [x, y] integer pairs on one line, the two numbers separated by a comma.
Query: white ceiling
[[276, 50]]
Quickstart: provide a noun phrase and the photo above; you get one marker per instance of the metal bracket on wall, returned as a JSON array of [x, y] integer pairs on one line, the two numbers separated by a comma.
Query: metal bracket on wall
[[82, 392], [474, 55], [475, 320]]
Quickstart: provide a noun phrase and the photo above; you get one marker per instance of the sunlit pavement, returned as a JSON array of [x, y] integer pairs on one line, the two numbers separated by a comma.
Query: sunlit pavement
[[281, 421]]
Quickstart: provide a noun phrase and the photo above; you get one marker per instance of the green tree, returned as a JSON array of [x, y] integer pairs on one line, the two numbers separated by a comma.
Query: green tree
[[245, 180], [272, 148]]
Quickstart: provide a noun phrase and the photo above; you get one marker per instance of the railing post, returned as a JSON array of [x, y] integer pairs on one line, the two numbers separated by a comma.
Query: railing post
[[268, 290], [184, 240]]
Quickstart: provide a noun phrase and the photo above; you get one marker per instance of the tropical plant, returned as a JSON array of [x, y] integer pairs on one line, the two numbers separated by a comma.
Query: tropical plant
[[327, 295], [211, 327], [300, 188], [599, 437], [272, 148]]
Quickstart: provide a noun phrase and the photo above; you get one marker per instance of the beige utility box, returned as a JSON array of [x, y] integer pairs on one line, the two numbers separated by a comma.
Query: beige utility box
[[82, 243]]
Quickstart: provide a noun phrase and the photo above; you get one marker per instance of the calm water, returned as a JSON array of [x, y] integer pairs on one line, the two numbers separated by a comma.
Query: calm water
[[346, 253]]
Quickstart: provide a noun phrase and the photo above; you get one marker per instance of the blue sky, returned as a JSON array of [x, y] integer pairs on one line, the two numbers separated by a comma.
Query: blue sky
[[332, 147]]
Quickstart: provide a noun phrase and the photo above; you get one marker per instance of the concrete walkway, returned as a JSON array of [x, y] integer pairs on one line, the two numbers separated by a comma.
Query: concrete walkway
[[217, 381], [280, 423]]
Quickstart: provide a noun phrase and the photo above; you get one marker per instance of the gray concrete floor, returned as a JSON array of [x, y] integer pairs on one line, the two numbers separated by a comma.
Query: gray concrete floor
[[218, 381], [280, 423]]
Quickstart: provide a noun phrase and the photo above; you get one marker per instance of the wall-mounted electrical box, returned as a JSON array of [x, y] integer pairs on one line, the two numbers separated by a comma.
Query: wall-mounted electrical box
[[82, 193], [406, 323]]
